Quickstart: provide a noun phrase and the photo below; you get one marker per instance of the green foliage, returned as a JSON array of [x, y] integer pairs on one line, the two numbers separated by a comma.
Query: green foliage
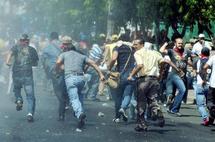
[[80, 15]]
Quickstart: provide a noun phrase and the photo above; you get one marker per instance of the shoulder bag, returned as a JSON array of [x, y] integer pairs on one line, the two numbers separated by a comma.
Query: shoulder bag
[[114, 77]]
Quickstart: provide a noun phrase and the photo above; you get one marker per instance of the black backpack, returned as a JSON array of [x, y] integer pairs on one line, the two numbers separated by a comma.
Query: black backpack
[[34, 56], [202, 73]]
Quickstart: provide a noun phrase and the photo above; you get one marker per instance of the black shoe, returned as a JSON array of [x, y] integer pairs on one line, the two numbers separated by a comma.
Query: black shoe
[[161, 120], [141, 128], [212, 112], [124, 116], [30, 117], [194, 102], [81, 122], [211, 121], [19, 105]]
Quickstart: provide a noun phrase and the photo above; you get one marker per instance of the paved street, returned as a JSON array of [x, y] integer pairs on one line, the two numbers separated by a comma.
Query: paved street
[[46, 128]]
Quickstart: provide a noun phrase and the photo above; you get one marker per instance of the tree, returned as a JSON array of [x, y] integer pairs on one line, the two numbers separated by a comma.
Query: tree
[[188, 13], [74, 16]]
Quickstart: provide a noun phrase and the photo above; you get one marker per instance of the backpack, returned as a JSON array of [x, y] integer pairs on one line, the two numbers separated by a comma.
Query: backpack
[[202, 73], [34, 56]]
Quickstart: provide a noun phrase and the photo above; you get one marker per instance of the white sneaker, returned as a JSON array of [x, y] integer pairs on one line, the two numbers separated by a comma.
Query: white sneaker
[[29, 114], [30, 117], [67, 107], [116, 120], [124, 116], [78, 130]]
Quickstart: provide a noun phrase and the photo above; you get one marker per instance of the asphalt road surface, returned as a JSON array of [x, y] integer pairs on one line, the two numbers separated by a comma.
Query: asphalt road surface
[[15, 128]]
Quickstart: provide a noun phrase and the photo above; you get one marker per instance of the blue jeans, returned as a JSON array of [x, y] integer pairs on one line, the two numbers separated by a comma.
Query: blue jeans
[[74, 86], [122, 95], [174, 79], [133, 105], [194, 84], [201, 93], [28, 85]]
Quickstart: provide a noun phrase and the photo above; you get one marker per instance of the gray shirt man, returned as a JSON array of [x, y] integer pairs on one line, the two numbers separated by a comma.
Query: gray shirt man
[[74, 62]]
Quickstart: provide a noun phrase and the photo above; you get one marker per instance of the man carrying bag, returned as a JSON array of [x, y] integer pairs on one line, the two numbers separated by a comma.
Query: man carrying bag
[[121, 89]]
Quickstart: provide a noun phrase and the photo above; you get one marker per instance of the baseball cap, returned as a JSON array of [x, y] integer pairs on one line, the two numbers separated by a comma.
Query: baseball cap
[[66, 40], [24, 37], [201, 36]]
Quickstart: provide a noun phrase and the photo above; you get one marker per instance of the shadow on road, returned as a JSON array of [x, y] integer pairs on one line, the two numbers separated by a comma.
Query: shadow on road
[[160, 131], [185, 115]]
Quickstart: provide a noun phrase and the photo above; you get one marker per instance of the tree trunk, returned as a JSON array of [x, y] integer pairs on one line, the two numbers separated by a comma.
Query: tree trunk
[[157, 32], [184, 30]]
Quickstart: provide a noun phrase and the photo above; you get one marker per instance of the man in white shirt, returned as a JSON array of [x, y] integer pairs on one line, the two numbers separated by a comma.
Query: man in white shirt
[[197, 48], [211, 93]]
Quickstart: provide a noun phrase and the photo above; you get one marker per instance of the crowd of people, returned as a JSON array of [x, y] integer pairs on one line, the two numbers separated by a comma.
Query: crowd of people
[[147, 76]]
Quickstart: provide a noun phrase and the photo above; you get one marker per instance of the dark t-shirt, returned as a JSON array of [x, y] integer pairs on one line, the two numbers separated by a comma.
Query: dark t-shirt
[[123, 54], [24, 59], [179, 59]]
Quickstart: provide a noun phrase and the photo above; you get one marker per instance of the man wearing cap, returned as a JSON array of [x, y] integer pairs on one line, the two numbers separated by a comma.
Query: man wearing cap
[[196, 50], [200, 44], [67, 44], [109, 49], [25, 57], [123, 54], [49, 57], [74, 64]]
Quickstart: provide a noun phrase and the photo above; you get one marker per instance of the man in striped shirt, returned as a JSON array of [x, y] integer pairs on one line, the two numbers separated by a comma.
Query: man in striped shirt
[[95, 54]]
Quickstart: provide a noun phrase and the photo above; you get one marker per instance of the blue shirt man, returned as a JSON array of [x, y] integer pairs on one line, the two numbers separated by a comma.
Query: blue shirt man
[[49, 58]]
